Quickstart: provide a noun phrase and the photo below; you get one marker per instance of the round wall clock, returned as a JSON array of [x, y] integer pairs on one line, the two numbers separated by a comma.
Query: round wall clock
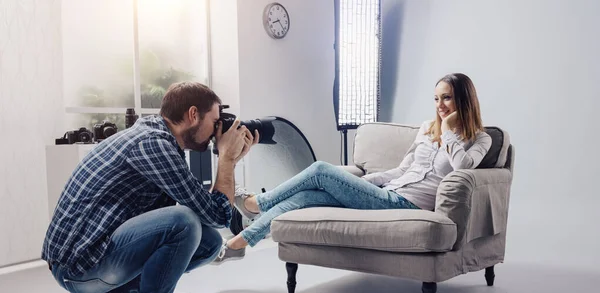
[[276, 20]]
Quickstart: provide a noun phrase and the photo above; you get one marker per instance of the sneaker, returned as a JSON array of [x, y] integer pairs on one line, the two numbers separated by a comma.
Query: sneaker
[[227, 253], [240, 196]]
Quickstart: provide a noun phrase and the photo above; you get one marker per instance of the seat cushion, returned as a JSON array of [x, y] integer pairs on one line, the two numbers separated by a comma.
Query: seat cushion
[[386, 230]]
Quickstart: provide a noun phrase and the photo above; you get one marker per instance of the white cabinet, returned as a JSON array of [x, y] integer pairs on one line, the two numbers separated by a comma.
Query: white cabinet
[[61, 160]]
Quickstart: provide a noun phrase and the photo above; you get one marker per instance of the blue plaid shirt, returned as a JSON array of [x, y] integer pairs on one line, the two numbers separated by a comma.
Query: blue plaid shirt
[[132, 172]]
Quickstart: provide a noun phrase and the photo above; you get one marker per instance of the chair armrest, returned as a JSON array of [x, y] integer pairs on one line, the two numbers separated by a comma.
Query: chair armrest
[[353, 170], [476, 200]]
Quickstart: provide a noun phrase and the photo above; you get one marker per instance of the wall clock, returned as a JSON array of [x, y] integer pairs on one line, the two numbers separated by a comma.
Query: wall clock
[[276, 20]]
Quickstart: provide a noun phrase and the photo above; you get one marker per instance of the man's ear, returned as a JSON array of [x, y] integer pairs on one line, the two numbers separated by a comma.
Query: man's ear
[[193, 114]]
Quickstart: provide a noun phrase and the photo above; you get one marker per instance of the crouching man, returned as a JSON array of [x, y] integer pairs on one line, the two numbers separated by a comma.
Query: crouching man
[[117, 226]]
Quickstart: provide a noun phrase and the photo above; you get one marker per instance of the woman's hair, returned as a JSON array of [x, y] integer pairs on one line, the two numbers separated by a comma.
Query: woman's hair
[[180, 97], [467, 108]]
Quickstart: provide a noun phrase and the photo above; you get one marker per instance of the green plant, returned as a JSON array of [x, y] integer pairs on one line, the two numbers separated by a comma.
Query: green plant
[[156, 75]]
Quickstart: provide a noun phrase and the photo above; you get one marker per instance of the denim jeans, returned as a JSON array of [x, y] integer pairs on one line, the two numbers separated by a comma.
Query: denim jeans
[[321, 184], [148, 253]]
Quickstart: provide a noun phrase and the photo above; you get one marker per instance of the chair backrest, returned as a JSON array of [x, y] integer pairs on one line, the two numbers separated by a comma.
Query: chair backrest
[[381, 146]]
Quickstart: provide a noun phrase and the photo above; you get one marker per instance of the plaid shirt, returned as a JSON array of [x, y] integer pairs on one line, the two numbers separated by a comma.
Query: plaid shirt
[[130, 173]]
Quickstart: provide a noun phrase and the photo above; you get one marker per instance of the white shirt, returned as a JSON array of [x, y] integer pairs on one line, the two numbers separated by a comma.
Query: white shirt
[[426, 164]]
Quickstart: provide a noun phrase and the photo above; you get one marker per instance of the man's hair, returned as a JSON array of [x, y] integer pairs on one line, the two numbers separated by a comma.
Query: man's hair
[[180, 97]]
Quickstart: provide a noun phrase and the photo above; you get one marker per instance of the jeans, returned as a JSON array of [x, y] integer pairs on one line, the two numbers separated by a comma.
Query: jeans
[[321, 184], [148, 253]]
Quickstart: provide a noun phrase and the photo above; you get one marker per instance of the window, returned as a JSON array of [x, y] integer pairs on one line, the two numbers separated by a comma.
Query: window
[[120, 54], [358, 61]]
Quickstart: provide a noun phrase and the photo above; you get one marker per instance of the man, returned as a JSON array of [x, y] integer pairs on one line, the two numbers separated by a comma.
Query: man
[[116, 225]]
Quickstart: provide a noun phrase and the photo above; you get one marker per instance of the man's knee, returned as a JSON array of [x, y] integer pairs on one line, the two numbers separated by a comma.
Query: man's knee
[[185, 220]]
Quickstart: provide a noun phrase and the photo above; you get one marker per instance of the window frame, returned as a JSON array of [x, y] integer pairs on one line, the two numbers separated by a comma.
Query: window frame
[[137, 95]]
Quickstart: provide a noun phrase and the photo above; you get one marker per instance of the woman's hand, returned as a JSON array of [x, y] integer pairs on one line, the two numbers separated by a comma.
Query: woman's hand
[[450, 122]]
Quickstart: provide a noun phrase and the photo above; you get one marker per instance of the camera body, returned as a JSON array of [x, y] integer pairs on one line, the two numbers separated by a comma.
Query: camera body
[[81, 135], [104, 130]]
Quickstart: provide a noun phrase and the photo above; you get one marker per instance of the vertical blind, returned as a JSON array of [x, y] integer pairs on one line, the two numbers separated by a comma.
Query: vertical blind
[[358, 61]]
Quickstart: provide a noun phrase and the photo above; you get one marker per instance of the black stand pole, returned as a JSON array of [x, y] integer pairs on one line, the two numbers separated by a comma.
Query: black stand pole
[[345, 134]]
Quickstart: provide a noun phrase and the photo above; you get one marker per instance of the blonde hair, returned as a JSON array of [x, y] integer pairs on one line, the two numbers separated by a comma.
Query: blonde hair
[[467, 108]]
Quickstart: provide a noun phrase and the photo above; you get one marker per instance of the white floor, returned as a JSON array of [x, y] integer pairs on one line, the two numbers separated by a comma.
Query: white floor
[[18, 278], [262, 272]]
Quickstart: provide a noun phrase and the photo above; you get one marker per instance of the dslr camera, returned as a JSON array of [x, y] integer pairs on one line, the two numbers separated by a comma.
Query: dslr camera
[[81, 135], [104, 130], [264, 126]]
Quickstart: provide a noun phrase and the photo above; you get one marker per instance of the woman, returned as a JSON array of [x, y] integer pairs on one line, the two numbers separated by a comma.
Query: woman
[[454, 140]]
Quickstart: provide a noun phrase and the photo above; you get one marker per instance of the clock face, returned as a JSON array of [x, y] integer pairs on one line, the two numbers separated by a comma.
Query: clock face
[[276, 20]]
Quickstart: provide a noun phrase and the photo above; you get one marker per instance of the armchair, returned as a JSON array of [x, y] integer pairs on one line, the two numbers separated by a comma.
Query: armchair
[[466, 232]]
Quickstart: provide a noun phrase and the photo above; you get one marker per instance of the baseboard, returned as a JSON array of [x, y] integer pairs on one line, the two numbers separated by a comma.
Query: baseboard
[[22, 266]]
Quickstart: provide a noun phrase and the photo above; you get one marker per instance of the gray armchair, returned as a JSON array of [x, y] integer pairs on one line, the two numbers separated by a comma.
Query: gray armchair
[[465, 233]]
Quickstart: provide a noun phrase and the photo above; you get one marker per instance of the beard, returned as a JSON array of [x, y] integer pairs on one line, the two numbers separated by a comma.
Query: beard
[[189, 139]]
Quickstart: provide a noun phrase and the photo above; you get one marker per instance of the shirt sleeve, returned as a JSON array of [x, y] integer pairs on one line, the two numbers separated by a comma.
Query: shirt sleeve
[[160, 162], [380, 178], [461, 158]]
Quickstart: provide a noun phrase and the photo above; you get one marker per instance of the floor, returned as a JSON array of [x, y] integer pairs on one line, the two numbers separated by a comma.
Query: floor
[[262, 272]]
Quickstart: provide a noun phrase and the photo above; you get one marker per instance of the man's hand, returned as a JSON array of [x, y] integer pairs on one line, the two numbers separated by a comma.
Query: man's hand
[[249, 141], [449, 123], [231, 143]]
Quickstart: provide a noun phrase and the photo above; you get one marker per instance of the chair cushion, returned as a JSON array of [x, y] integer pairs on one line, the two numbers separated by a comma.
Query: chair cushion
[[386, 230], [496, 156]]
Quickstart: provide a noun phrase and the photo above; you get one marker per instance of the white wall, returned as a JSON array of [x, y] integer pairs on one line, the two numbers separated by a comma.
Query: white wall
[[291, 77], [31, 116], [225, 72], [536, 67]]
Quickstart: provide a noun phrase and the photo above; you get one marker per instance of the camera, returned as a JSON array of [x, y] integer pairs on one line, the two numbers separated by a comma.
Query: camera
[[81, 135], [264, 126], [130, 117], [104, 130]]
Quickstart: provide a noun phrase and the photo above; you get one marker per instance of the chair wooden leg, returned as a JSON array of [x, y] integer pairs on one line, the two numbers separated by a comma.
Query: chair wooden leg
[[291, 269], [490, 276], [429, 287]]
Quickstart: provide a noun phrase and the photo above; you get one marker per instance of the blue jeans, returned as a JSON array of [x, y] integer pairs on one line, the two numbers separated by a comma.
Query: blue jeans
[[321, 184], [148, 253]]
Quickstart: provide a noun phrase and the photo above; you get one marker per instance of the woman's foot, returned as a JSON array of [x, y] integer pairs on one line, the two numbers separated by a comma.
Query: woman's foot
[[246, 203], [228, 253], [233, 249]]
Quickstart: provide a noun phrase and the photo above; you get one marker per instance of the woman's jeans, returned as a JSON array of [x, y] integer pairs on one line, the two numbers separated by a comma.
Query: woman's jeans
[[148, 253], [321, 184]]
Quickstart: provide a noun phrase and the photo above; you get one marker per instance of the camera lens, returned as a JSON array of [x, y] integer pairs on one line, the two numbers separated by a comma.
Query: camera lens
[[85, 137], [130, 117], [109, 130]]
